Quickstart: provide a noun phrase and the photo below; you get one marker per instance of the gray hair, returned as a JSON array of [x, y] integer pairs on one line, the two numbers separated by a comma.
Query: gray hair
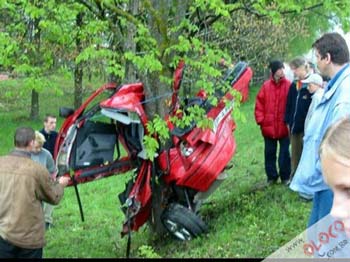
[[298, 62]]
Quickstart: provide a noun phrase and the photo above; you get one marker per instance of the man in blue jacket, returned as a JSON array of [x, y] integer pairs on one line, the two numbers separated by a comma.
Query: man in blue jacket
[[332, 56]]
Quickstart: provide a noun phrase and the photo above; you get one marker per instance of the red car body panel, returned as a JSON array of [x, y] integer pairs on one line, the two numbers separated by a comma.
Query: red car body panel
[[242, 85], [141, 194], [128, 98], [200, 169]]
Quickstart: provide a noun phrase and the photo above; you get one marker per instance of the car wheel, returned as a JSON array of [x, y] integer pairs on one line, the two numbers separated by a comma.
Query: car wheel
[[182, 223]]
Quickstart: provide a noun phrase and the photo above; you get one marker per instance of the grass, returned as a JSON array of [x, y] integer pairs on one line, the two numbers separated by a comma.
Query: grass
[[245, 218]]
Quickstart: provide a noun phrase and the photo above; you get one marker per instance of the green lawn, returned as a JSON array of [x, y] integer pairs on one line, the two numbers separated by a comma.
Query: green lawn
[[245, 218]]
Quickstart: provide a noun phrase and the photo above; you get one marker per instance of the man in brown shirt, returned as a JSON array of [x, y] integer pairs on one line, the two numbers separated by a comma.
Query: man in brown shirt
[[24, 184]]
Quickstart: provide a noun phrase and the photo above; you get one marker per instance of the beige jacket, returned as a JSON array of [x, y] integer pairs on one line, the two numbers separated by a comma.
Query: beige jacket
[[23, 185]]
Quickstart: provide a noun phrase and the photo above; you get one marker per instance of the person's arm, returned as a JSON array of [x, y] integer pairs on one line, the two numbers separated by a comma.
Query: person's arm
[[260, 105], [288, 113], [48, 190], [50, 165], [341, 110]]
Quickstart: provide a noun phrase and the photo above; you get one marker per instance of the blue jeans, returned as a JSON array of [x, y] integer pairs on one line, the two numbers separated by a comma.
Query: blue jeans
[[283, 158], [322, 204]]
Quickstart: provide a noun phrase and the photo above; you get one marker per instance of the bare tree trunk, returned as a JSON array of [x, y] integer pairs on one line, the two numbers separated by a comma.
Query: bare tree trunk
[[78, 70], [34, 109], [112, 77], [155, 94], [34, 36], [155, 89], [78, 85], [130, 45]]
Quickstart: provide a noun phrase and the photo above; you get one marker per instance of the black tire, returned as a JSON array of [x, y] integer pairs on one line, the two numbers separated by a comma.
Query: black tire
[[182, 223]]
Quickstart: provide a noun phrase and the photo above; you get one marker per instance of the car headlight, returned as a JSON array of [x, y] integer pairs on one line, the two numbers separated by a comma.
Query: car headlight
[[186, 151]]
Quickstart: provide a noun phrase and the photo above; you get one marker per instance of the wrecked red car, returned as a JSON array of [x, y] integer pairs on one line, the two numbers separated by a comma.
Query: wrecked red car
[[104, 137]]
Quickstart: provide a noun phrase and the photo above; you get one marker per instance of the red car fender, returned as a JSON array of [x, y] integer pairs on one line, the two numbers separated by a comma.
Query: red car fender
[[209, 161], [199, 170], [141, 198], [206, 136]]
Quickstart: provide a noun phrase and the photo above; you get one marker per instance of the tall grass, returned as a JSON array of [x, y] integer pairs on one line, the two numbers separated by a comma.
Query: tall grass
[[245, 218]]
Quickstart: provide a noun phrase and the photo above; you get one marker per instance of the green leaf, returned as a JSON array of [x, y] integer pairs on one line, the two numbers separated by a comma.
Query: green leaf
[[151, 146]]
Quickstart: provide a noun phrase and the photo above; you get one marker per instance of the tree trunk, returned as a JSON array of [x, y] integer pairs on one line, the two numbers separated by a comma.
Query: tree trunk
[[78, 85], [156, 98], [156, 90], [34, 109], [129, 44], [113, 78], [78, 70], [35, 29], [155, 95]]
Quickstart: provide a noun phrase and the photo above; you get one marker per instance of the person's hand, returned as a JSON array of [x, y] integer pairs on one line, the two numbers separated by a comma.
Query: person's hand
[[64, 180], [54, 176], [222, 62]]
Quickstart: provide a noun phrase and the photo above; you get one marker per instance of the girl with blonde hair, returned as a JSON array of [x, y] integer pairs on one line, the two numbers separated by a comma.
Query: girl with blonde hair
[[335, 162]]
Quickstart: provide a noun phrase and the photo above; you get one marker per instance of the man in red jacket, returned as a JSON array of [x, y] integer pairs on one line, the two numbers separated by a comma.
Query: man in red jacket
[[270, 108]]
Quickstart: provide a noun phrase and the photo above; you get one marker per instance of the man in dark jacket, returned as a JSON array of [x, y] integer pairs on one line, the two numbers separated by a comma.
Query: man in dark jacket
[[49, 132], [298, 103], [270, 108]]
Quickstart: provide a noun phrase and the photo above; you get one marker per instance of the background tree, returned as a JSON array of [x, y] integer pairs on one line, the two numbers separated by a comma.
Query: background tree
[[144, 40], [258, 40], [33, 45]]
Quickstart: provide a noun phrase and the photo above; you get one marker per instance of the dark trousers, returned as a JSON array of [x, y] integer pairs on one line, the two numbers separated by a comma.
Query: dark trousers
[[8, 250], [283, 158], [296, 142]]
